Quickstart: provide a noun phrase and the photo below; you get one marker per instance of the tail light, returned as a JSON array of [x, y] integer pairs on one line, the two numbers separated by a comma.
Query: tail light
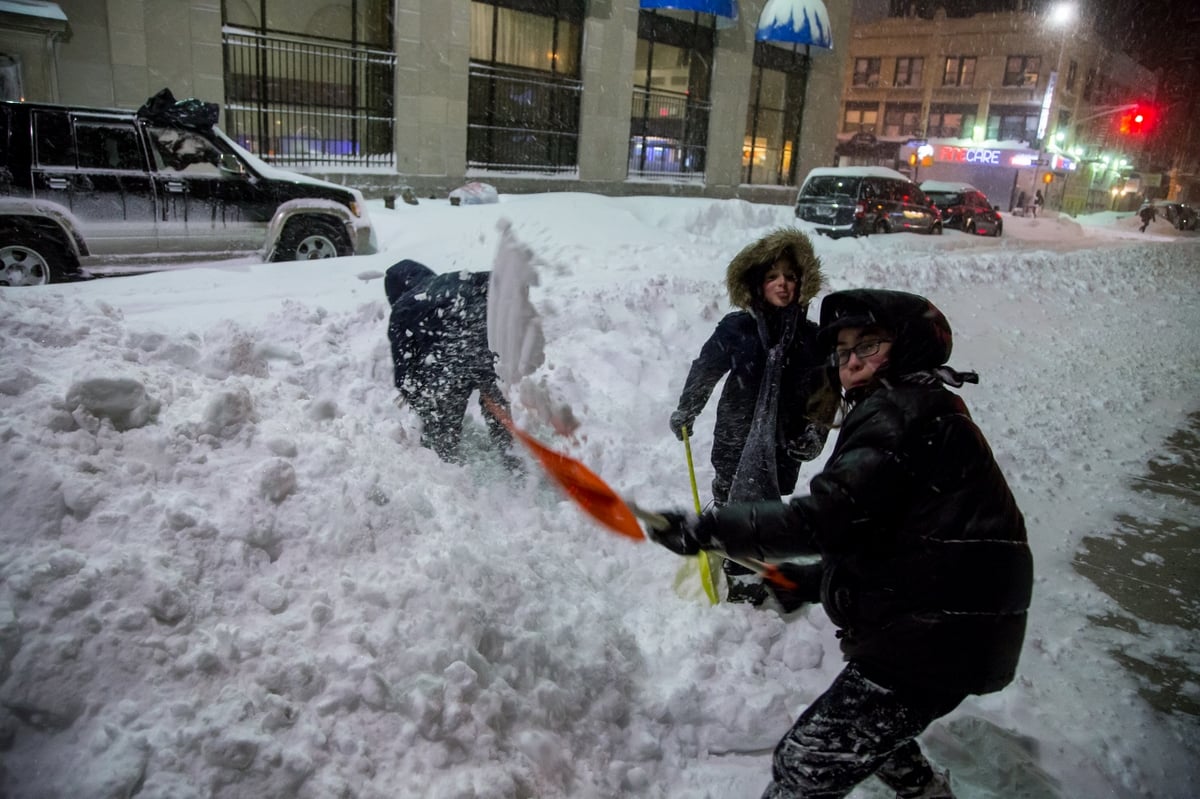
[[860, 210]]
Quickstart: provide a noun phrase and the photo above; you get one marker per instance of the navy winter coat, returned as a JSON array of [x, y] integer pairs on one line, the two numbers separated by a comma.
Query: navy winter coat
[[438, 329]]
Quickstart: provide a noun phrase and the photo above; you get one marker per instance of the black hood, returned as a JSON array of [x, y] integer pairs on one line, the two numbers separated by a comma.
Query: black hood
[[404, 277], [921, 334]]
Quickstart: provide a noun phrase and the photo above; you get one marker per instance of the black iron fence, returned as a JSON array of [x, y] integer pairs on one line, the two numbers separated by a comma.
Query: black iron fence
[[668, 134], [302, 101], [522, 120]]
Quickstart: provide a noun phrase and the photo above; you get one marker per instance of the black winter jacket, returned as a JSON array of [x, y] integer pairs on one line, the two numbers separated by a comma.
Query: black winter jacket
[[438, 329], [738, 347], [928, 573]]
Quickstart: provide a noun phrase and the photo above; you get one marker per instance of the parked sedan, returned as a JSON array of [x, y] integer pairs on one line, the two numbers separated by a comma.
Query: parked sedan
[[964, 207]]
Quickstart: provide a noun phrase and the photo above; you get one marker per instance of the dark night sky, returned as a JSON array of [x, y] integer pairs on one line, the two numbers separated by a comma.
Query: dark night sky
[[1155, 32]]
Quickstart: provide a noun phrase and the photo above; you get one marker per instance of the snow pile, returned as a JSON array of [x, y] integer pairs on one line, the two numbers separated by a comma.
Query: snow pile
[[229, 570]]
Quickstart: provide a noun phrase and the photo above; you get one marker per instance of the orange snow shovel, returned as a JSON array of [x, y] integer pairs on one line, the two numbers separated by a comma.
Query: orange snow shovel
[[603, 504], [581, 484]]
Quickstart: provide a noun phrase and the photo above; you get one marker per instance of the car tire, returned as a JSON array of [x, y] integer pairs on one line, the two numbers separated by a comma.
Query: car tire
[[881, 226], [999, 230], [969, 227], [29, 258], [308, 238], [936, 230]]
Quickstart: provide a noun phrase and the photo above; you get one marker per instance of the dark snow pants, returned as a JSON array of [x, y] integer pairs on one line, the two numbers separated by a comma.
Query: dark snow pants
[[442, 413], [855, 729]]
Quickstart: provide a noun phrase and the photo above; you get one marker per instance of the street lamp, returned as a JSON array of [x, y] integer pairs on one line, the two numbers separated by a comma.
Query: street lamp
[[1061, 16]]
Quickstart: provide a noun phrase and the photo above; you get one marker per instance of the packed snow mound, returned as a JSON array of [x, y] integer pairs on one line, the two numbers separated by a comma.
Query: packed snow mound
[[228, 569]]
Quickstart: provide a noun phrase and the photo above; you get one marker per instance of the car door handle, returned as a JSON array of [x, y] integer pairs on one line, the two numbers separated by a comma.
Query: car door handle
[[57, 183], [175, 186]]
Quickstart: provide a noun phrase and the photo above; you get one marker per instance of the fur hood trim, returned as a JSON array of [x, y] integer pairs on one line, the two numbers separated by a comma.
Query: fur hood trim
[[745, 271]]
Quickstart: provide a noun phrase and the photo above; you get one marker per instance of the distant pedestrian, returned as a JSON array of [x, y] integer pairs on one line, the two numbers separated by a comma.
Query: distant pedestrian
[[1038, 201], [1148, 213]]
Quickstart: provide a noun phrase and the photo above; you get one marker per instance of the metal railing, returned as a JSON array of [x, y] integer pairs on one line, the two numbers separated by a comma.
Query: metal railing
[[522, 120], [300, 101], [668, 134]]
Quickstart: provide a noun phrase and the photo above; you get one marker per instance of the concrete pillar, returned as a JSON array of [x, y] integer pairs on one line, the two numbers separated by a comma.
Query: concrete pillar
[[123, 51], [823, 105], [433, 48], [733, 67], [609, 51]]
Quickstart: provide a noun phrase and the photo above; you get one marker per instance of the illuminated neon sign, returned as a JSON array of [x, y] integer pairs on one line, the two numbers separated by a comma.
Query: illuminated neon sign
[[969, 155]]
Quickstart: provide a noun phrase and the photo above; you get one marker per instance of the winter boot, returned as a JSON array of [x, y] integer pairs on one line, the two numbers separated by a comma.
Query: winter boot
[[743, 585]]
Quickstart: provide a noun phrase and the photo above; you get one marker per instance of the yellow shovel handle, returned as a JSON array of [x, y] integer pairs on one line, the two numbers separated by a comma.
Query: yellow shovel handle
[[706, 566]]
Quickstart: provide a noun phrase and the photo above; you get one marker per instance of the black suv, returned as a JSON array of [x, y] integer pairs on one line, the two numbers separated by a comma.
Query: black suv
[[84, 189]]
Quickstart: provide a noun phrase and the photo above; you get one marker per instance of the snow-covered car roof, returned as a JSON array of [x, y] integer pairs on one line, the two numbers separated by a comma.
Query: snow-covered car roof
[[857, 172], [947, 186]]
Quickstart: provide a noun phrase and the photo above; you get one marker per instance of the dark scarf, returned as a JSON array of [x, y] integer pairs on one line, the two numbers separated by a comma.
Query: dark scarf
[[756, 477]]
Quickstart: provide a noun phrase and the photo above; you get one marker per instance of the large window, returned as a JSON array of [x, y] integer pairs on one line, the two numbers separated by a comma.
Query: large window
[[902, 119], [908, 73], [951, 122], [860, 118], [774, 114], [311, 87], [1013, 123], [524, 87], [672, 76], [960, 71], [1022, 70], [866, 72]]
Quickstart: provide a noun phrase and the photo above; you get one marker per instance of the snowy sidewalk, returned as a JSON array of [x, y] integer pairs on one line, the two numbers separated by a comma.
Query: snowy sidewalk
[[1148, 568]]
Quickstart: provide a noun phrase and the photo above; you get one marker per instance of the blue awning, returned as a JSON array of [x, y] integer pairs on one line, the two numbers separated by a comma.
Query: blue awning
[[795, 22], [720, 8]]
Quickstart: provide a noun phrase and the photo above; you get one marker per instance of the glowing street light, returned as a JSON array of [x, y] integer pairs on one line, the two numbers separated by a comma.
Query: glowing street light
[[1061, 16], [1062, 13]]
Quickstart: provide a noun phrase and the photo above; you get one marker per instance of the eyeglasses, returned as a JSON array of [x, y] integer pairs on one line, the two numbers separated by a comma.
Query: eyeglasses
[[863, 349]]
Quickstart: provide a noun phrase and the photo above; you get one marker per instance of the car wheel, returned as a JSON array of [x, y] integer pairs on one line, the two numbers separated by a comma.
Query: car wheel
[[881, 226], [29, 259], [999, 229], [969, 227], [310, 238], [937, 229]]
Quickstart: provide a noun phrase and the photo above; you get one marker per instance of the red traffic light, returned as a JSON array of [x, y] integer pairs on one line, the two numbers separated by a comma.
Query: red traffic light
[[1137, 120]]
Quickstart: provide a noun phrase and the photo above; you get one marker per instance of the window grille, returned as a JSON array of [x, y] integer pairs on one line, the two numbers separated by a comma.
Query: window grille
[[522, 120], [668, 134], [305, 101]]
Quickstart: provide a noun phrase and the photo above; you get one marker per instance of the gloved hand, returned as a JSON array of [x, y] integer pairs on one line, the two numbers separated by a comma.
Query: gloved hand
[[679, 420], [809, 444], [675, 531]]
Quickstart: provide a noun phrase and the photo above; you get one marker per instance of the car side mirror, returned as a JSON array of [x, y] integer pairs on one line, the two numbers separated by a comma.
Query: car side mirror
[[230, 165]]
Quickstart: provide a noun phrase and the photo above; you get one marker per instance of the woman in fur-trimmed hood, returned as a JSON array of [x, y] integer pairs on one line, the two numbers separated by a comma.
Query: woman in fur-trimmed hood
[[771, 281]]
